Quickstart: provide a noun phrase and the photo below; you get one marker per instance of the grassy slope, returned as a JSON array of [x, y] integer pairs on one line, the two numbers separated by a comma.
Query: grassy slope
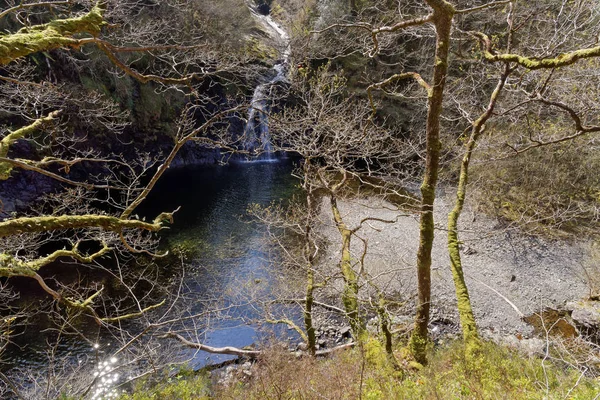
[[501, 374]]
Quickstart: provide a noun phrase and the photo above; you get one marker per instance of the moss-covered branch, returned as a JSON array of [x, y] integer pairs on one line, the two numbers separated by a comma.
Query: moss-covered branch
[[64, 222], [561, 60], [53, 35], [11, 266], [134, 314], [11, 138]]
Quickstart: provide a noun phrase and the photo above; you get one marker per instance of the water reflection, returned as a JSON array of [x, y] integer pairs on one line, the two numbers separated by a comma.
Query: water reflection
[[232, 255]]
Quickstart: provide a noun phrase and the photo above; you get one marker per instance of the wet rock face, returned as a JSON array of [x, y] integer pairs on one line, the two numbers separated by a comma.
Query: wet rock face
[[264, 7], [22, 189], [552, 322]]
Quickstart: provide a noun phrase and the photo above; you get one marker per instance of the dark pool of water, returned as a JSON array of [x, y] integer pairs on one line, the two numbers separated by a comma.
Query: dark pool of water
[[212, 217], [230, 247]]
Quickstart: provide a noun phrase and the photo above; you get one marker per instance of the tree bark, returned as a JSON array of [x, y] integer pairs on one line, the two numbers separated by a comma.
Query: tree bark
[[350, 294], [443, 13], [465, 311]]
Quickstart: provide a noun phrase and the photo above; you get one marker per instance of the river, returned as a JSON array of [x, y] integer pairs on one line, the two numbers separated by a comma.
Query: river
[[230, 254], [231, 250]]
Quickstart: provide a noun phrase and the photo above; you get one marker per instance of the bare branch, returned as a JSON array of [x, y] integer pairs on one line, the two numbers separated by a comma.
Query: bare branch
[[214, 350], [532, 63], [483, 7], [30, 5]]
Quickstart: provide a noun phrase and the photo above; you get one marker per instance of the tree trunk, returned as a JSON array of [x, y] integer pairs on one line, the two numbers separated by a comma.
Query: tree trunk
[[467, 319], [350, 293], [308, 322], [442, 20], [353, 7], [309, 253]]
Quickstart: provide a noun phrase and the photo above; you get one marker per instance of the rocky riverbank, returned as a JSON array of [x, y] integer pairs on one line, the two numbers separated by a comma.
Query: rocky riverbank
[[509, 274]]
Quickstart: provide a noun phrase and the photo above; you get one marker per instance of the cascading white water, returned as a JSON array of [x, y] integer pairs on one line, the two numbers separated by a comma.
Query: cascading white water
[[257, 138]]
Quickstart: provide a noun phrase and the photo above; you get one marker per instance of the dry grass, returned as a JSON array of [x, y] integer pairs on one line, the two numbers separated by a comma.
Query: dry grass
[[363, 374]]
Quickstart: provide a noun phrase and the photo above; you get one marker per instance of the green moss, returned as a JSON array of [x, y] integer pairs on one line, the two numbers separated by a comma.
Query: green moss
[[364, 373], [53, 35], [182, 386], [254, 48]]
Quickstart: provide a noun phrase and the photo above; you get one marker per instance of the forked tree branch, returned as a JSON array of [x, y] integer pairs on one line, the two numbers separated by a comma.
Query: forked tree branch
[[532, 63], [382, 29], [395, 78], [580, 128]]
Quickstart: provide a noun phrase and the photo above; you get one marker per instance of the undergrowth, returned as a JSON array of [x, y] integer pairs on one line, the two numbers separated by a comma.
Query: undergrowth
[[548, 191], [500, 373]]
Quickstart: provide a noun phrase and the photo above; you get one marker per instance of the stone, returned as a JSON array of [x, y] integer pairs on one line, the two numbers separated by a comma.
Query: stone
[[345, 331], [585, 313], [302, 346]]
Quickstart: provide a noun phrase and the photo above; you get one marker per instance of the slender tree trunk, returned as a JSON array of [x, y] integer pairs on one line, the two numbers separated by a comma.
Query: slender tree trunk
[[467, 320], [308, 322], [442, 20], [384, 326], [309, 252], [350, 293]]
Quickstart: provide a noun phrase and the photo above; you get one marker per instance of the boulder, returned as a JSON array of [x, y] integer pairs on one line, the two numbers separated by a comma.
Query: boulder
[[585, 314]]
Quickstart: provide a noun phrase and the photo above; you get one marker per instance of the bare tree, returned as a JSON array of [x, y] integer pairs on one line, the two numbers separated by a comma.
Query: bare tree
[[87, 220], [454, 24], [343, 149]]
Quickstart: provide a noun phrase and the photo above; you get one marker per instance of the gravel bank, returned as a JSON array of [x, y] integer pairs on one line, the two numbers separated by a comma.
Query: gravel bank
[[530, 272]]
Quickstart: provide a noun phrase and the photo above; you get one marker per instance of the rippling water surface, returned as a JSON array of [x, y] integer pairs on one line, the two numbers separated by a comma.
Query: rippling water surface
[[231, 254]]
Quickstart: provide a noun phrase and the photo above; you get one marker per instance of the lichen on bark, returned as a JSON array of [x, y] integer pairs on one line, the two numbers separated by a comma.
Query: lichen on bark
[[63, 222], [53, 35], [5, 167]]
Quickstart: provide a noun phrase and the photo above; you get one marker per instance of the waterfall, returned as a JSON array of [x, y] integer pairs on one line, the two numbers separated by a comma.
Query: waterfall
[[257, 138]]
